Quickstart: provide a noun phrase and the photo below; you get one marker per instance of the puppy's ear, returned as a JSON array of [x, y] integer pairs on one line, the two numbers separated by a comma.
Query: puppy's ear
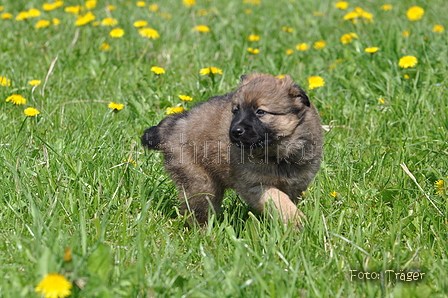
[[244, 79], [297, 92]]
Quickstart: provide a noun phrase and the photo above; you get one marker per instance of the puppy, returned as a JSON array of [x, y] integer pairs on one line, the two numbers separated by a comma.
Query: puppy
[[264, 141]]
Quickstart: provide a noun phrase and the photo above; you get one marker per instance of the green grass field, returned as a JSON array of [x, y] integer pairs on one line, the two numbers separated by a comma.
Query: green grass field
[[75, 177]]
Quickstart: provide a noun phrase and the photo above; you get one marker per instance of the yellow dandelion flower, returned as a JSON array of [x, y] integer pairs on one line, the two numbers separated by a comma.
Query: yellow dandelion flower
[[201, 28], [210, 70], [174, 110], [149, 33], [153, 7], [406, 76], [73, 9], [1, 8], [54, 285], [386, 7], [4, 81], [7, 16], [31, 112], [165, 15], [343, 5], [289, 52], [346, 39], [48, 6], [315, 82], [185, 97], [23, 15], [253, 51], [116, 33], [111, 7], [350, 16], [302, 47], [33, 13], [407, 61], [139, 24], [35, 82], [140, 4], [253, 37], [320, 44], [42, 24], [116, 106], [253, 2], [381, 100], [439, 185], [109, 22], [201, 12], [157, 70], [189, 3], [104, 47], [67, 254], [371, 50], [405, 33], [16, 99], [438, 28], [90, 4], [287, 29], [85, 19], [248, 11], [415, 13], [334, 194], [55, 21]]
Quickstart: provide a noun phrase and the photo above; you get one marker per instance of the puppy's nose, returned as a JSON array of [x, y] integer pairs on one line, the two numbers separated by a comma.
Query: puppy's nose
[[237, 131]]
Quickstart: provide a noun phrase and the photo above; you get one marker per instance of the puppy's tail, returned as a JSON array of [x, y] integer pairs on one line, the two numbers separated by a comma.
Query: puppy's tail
[[151, 138]]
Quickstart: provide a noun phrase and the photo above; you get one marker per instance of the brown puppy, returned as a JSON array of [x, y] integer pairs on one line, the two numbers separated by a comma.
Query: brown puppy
[[264, 141]]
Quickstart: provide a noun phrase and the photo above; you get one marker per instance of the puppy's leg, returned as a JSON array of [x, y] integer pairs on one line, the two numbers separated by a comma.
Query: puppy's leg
[[259, 198]]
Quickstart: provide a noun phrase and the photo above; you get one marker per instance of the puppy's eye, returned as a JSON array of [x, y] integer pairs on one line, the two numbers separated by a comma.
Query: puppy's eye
[[260, 112]]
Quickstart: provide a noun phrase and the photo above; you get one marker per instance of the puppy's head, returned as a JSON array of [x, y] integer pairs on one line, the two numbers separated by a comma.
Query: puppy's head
[[266, 109]]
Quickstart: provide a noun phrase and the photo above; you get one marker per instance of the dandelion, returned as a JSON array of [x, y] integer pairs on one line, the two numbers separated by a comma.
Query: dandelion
[[407, 61], [371, 50], [210, 70], [153, 7], [201, 12], [248, 11], [348, 38], [157, 70], [334, 194], [104, 47], [116, 33], [405, 33], [406, 76], [140, 4], [386, 7], [42, 24], [253, 2], [31, 112], [73, 9], [289, 52], [116, 106], [139, 24], [302, 47], [253, 37], [149, 33], [358, 13], [201, 28], [438, 28], [55, 21], [315, 82], [67, 254], [439, 185], [90, 4], [85, 19], [109, 22], [320, 44], [1, 8], [6, 16], [23, 15], [189, 3], [33, 13], [16, 99], [54, 285], [111, 7], [174, 110], [287, 29], [341, 5], [381, 100], [185, 97], [34, 82], [415, 13], [4, 81], [253, 51]]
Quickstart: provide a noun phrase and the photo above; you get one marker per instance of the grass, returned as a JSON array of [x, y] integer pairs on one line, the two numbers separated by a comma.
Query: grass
[[76, 175]]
